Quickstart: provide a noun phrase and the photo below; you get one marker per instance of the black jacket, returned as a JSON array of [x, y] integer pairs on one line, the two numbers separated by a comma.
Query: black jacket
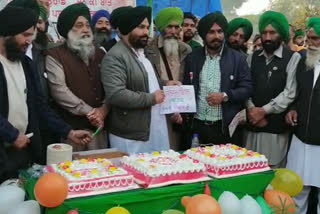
[[11, 160], [307, 105], [235, 78]]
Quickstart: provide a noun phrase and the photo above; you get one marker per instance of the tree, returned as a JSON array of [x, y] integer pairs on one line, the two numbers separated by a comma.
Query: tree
[[297, 11]]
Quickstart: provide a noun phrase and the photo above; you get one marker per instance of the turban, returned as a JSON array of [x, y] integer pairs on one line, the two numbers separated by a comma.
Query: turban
[[314, 22], [99, 14], [237, 23], [133, 18], [297, 33], [207, 21], [10, 20], [117, 14], [43, 12], [167, 15], [31, 4], [69, 16], [278, 21]]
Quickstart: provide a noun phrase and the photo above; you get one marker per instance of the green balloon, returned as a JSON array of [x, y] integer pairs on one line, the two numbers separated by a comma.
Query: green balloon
[[173, 212], [264, 206]]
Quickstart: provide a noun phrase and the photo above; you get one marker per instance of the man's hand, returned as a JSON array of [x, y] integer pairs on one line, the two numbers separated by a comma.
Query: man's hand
[[159, 96], [262, 123], [21, 142], [215, 98], [176, 118], [173, 82], [98, 115], [256, 114], [79, 137], [292, 118]]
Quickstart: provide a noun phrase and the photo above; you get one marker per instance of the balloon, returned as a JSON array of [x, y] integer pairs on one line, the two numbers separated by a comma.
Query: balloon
[[287, 181], [26, 207], [11, 196], [249, 205], [279, 202], [73, 211], [264, 206], [51, 190], [201, 204], [173, 212], [118, 210], [230, 204]]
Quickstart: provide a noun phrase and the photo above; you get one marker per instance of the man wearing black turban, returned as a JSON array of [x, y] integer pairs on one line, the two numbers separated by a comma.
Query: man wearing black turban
[[21, 103], [133, 89], [221, 79], [73, 70]]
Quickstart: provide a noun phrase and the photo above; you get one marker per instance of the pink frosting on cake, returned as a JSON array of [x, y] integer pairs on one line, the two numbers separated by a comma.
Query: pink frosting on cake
[[223, 161]]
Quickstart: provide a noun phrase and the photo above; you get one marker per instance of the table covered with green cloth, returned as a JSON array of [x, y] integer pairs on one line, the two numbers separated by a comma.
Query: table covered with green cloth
[[156, 200]]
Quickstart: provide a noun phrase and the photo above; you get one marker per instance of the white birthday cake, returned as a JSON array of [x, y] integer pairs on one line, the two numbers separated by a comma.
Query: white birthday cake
[[229, 160], [93, 176], [164, 168]]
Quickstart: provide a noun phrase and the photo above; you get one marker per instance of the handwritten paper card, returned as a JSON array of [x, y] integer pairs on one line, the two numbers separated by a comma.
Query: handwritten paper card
[[240, 117], [178, 99]]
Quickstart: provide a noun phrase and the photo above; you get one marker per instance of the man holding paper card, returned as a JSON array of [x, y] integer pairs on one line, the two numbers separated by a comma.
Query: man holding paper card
[[221, 80], [133, 89]]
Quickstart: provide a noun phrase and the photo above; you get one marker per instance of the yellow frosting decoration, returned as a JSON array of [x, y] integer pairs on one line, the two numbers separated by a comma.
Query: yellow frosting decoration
[[156, 153], [83, 161], [193, 149], [208, 153], [68, 170], [67, 163], [222, 158], [113, 168], [77, 174], [94, 171]]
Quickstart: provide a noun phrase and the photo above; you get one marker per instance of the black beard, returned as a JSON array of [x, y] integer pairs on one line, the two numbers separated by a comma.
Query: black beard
[[271, 46], [12, 50], [215, 47], [235, 46], [138, 43], [42, 38], [101, 38]]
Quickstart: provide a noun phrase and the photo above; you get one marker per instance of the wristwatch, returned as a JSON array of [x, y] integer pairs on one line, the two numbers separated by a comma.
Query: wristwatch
[[225, 97]]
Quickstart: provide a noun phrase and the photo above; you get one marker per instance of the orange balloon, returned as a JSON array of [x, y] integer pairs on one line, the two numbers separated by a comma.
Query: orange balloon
[[201, 204], [51, 190], [279, 202]]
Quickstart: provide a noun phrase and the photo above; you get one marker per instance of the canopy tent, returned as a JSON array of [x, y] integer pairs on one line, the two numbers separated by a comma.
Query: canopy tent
[[197, 7]]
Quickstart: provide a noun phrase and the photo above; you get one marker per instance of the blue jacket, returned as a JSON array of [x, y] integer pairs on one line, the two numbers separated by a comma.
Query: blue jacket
[[235, 78], [37, 109]]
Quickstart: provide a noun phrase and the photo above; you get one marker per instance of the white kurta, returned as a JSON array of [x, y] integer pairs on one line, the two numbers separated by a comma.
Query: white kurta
[[159, 139], [17, 94], [303, 158]]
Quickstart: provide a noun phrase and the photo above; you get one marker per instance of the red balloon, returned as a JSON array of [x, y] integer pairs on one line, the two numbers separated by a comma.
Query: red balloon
[[51, 190]]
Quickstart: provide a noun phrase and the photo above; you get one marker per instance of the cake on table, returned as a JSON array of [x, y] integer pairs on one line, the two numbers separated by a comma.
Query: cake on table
[[163, 168], [229, 160], [93, 176]]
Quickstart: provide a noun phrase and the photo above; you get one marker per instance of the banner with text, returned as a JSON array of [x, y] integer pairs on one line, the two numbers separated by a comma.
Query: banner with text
[[56, 6]]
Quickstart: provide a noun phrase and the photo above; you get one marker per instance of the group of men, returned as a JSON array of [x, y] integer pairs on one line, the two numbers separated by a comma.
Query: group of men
[[113, 87]]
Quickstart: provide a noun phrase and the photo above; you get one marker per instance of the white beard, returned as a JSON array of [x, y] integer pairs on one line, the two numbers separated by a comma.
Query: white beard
[[81, 44], [171, 47], [313, 55]]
